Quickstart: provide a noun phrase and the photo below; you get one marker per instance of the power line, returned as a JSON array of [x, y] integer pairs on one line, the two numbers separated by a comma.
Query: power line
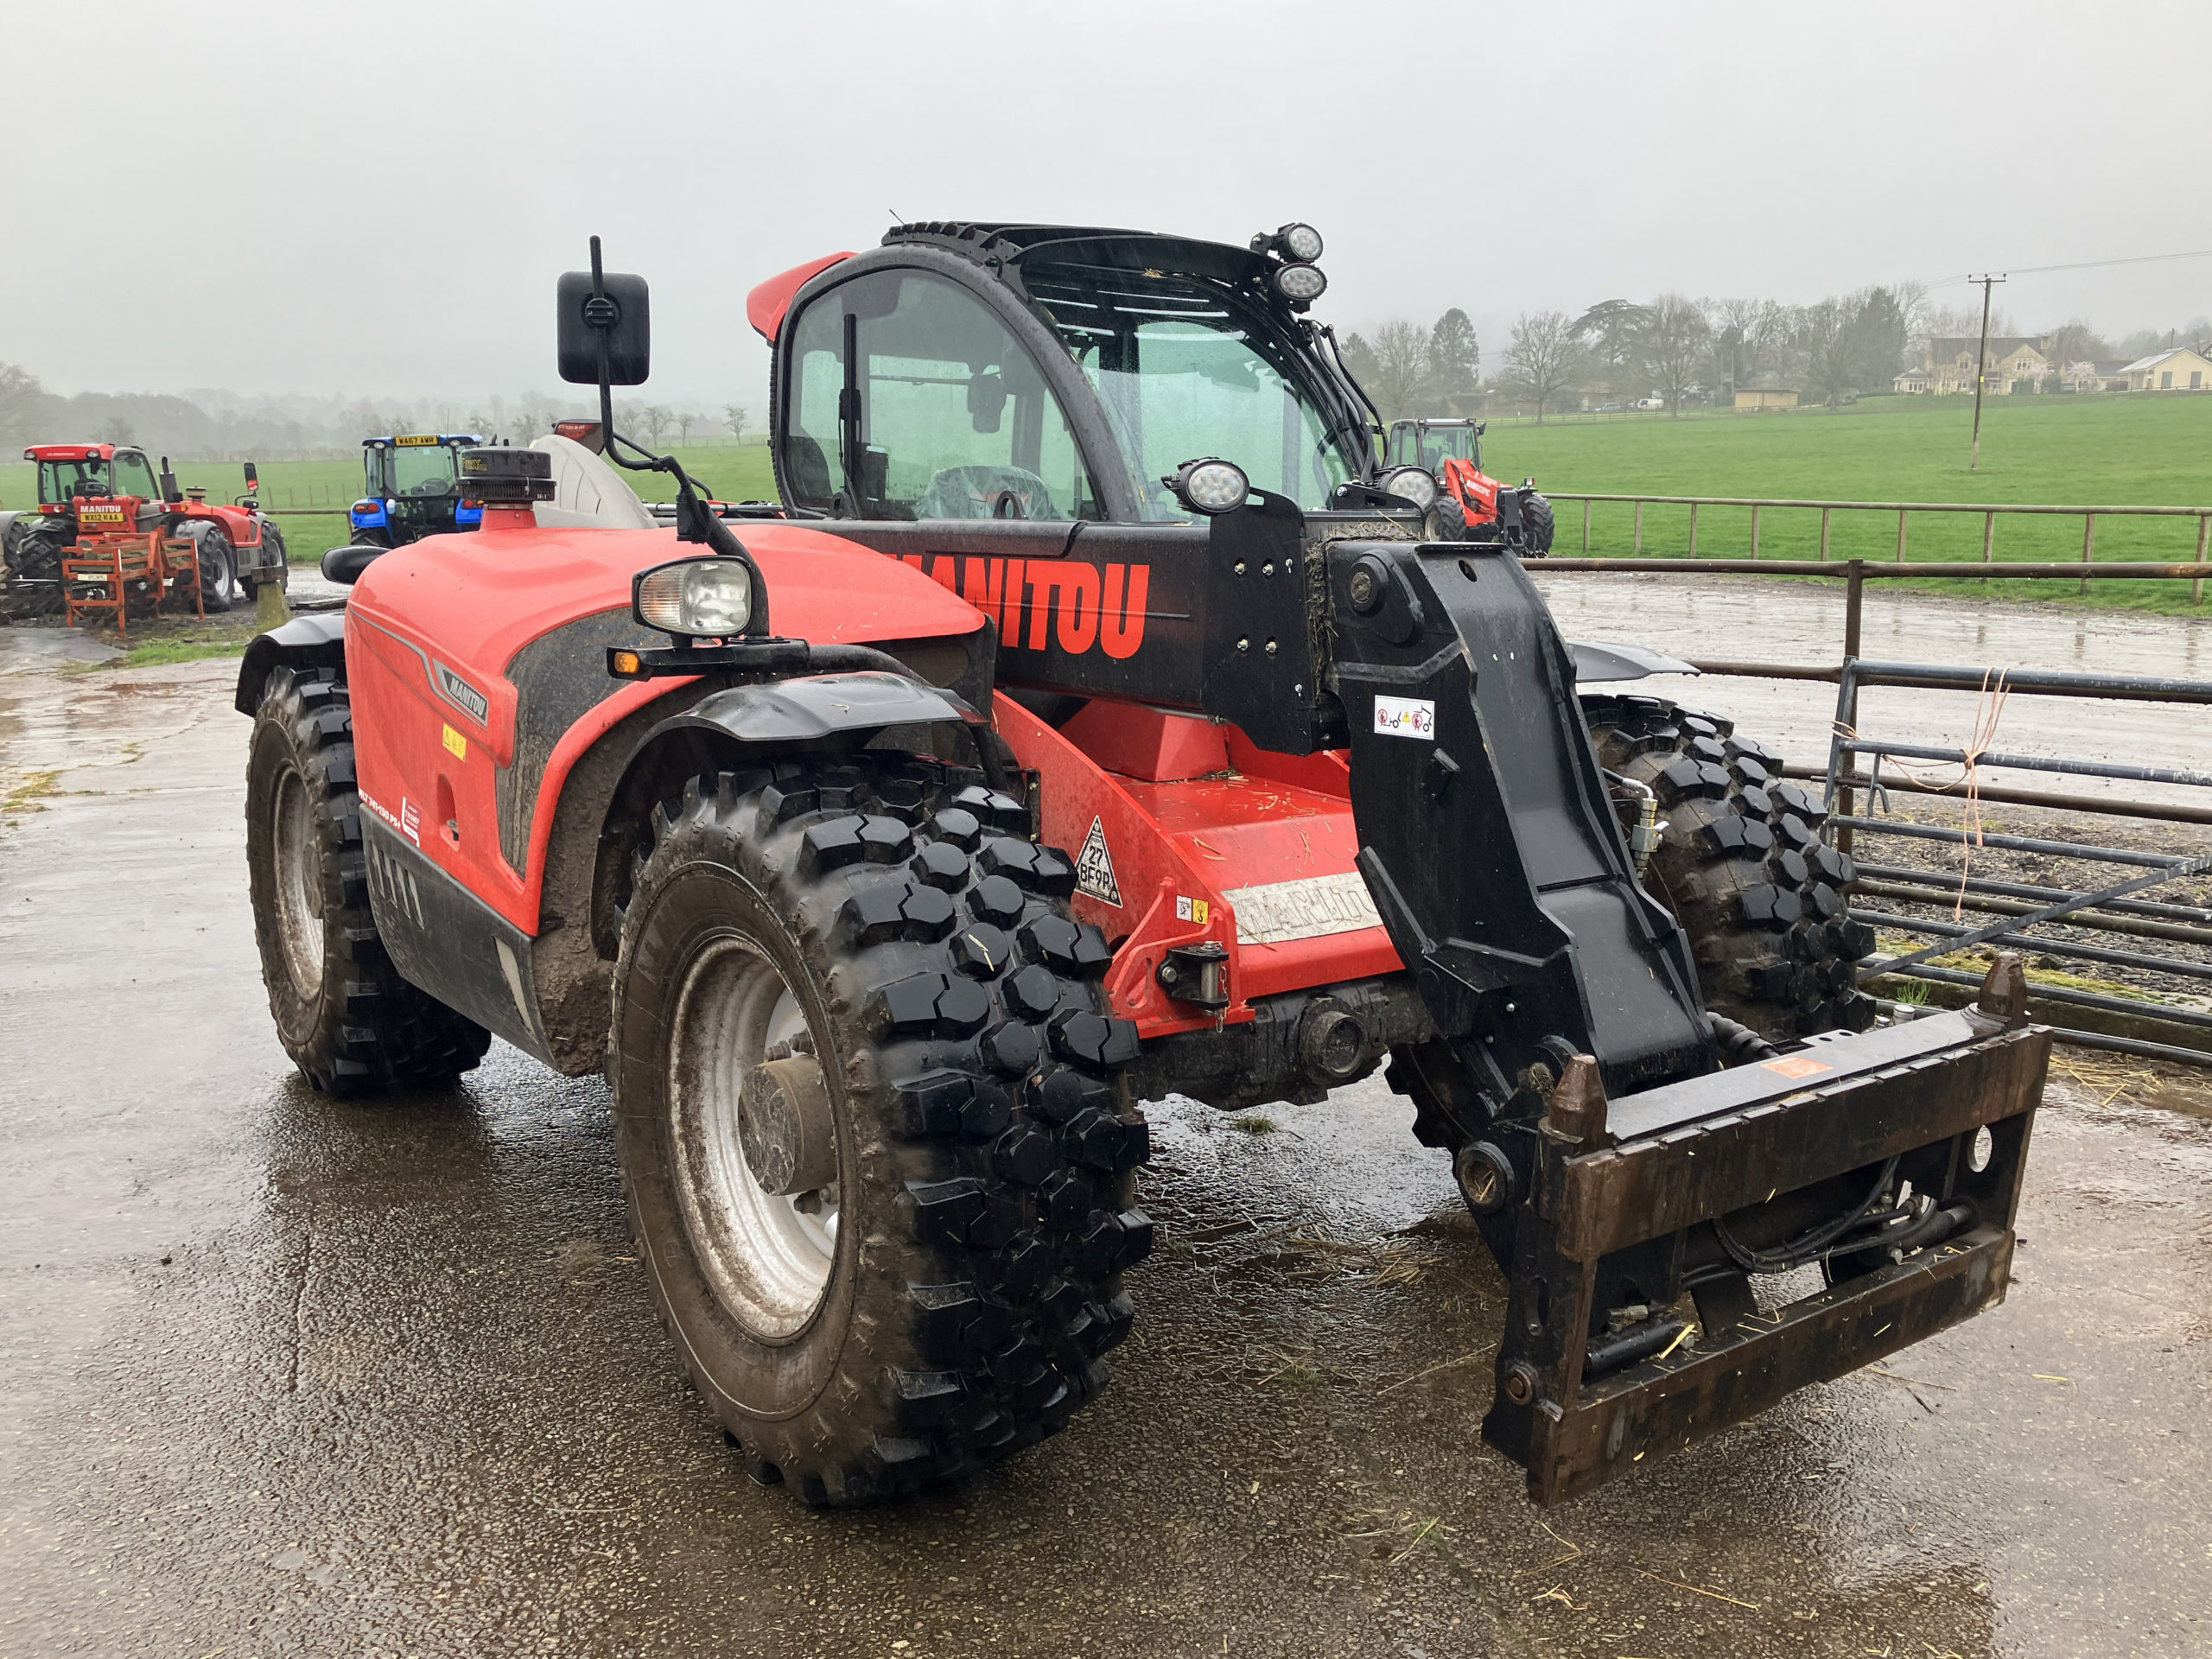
[[2083, 265]]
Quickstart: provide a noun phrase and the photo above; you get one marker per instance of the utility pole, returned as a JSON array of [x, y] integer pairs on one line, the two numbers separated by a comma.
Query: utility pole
[[1981, 368]]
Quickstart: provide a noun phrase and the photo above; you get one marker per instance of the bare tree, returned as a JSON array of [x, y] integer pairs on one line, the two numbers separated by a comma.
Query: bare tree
[[1543, 357], [1825, 336], [686, 420], [735, 418], [2075, 341], [1397, 370], [649, 420], [1670, 347]]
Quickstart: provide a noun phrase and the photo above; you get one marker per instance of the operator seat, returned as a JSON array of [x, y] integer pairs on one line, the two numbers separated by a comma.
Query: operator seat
[[587, 492]]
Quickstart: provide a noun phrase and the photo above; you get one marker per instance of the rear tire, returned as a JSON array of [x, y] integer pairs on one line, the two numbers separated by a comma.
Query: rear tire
[[1743, 869], [344, 1014], [217, 569], [946, 1297]]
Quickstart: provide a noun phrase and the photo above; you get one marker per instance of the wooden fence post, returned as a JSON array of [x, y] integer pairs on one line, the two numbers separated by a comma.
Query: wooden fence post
[[1824, 534], [1693, 530], [1639, 530], [2089, 543], [1755, 532], [2204, 528], [1585, 526], [1900, 535]]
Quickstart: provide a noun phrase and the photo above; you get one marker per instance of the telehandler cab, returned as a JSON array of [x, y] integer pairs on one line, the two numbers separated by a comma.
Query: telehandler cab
[[1084, 545]]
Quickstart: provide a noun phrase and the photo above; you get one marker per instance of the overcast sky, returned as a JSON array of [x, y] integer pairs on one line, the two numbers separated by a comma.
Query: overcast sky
[[375, 198]]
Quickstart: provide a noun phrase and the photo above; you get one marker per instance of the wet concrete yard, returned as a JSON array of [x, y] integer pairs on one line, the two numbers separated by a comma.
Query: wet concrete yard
[[281, 1375]]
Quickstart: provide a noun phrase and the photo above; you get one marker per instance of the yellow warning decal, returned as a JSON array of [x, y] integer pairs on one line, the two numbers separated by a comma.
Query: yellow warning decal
[[457, 743]]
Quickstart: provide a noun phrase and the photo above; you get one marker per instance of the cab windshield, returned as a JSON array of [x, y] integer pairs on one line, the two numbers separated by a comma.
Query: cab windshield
[[59, 481], [1188, 366], [1429, 445], [424, 469]]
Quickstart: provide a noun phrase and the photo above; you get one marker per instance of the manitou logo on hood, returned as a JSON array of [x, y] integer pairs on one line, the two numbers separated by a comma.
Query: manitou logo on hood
[[1066, 602], [99, 515]]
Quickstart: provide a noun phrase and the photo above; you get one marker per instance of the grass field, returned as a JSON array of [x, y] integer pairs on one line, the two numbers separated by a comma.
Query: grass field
[[2108, 450], [2136, 451]]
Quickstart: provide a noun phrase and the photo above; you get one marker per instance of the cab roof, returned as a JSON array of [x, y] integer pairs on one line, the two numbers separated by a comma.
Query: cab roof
[[80, 451], [420, 440], [1004, 248]]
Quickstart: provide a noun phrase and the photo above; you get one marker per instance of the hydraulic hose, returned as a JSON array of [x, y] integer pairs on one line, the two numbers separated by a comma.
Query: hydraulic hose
[[1810, 1245]]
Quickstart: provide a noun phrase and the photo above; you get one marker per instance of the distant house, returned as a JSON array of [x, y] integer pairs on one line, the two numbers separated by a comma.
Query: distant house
[[2177, 370], [1766, 398], [1946, 365], [2086, 376]]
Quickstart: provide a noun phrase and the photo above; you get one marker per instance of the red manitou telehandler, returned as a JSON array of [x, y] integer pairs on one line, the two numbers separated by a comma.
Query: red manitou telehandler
[[1096, 718], [1490, 510], [108, 533]]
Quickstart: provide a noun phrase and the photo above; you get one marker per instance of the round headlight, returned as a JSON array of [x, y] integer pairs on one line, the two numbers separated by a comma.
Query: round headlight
[[1299, 284], [1210, 485], [701, 599], [1301, 242], [1410, 483]]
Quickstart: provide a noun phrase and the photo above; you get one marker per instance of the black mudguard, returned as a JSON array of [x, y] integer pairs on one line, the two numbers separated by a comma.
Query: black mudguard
[[317, 640]]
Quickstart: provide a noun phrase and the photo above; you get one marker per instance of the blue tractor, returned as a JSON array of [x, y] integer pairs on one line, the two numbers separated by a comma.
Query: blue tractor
[[412, 489]]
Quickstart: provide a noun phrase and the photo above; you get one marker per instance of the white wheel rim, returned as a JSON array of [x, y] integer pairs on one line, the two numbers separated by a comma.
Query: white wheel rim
[[767, 1256], [299, 888]]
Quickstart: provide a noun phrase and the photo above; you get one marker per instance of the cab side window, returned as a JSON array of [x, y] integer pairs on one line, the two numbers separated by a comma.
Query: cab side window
[[135, 476], [909, 399]]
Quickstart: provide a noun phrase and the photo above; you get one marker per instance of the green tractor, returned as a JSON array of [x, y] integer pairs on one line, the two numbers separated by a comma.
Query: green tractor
[[412, 489]]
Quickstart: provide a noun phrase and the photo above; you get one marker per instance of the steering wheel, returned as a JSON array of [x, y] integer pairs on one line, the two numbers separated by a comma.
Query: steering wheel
[[431, 487]]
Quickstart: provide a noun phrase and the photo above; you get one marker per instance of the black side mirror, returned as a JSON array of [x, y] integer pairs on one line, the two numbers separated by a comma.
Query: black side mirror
[[252, 478], [604, 311], [344, 565], [170, 494]]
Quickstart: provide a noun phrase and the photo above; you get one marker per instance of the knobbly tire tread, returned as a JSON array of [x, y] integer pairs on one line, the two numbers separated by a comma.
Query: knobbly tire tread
[[983, 1236], [367, 1030], [1743, 868], [1538, 524], [218, 599]]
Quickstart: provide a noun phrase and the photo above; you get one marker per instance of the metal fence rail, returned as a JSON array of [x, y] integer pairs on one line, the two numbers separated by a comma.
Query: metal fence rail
[[2011, 911], [2147, 1025], [1990, 512]]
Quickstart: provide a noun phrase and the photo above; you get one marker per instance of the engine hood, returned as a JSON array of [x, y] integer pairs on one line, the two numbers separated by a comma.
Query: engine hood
[[481, 597]]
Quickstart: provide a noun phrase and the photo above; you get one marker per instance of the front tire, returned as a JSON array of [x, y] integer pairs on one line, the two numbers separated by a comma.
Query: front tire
[[873, 938], [1743, 868], [34, 568], [344, 1014], [1537, 525]]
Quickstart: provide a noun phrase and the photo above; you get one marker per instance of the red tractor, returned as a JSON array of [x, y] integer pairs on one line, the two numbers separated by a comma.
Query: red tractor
[[1084, 545], [93, 494], [1470, 501]]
